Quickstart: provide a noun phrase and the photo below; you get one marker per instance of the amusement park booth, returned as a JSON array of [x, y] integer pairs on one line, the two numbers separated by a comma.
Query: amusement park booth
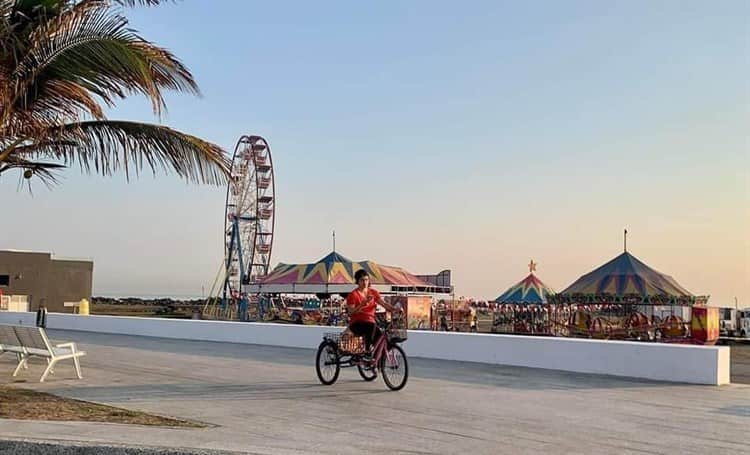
[[334, 275], [627, 299], [524, 307], [453, 315]]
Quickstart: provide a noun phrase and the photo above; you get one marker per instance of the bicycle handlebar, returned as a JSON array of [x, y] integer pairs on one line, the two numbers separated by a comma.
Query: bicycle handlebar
[[385, 324]]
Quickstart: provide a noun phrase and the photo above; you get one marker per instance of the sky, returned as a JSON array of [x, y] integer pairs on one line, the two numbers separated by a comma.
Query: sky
[[433, 136]]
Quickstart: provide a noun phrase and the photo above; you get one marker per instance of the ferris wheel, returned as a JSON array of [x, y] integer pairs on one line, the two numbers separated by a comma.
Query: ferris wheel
[[249, 215]]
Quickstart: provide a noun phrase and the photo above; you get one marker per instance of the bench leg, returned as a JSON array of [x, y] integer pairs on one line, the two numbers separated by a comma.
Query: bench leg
[[78, 367], [47, 371], [21, 363], [19, 357]]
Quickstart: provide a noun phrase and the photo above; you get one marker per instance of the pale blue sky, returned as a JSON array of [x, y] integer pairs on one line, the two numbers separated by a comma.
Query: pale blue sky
[[471, 136]]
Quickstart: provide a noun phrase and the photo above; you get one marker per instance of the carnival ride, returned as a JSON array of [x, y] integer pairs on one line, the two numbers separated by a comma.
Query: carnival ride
[[452, 315], [332, 277], [627, 299], [334, 274], [249, 220], [623, 299], [524, 307]]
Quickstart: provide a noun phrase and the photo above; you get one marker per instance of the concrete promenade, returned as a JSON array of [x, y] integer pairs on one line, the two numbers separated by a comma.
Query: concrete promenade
[[261, 399]]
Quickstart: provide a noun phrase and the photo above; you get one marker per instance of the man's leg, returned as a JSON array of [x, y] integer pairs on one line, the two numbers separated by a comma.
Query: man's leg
[[370, 336], [361, 329], [376, 334]]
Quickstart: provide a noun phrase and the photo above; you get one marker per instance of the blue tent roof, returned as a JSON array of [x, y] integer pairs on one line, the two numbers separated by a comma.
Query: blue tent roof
[[626, 274], [531, 290]]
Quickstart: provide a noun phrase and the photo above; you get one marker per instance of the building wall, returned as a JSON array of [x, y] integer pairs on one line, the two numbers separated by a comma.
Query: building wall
[[40, 276]]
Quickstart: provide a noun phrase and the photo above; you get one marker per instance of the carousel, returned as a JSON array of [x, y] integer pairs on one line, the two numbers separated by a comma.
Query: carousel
[[524, 308], [628, 300]]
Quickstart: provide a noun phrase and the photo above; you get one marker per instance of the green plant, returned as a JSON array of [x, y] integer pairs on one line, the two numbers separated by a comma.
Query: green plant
[[60, 62]]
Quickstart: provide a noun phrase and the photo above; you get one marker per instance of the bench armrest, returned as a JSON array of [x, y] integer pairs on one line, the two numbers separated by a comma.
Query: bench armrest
[[70, 345]]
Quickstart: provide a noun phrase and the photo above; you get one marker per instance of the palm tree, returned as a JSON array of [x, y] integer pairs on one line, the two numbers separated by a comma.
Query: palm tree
[[59, 61]]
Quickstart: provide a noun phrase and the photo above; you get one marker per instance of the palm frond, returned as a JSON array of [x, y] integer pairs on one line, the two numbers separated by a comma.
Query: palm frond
[[91, 47], [44, 171], [60, 61], [6, 7], [38, 148], [109, 146], [131, 3], [56, 99]]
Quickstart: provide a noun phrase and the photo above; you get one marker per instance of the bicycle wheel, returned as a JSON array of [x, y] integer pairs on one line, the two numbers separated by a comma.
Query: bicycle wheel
[[395, 368], [367, 373], [327, 363]]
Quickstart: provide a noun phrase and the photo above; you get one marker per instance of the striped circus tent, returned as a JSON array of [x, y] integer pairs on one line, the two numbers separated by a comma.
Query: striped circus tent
[[529, 291], [627, 276], [335, 274]]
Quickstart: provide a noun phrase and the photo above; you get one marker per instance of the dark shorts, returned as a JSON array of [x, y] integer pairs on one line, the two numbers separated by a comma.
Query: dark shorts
[[368, 330]]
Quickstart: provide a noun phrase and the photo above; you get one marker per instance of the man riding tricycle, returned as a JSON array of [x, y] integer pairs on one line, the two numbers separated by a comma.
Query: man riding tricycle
[[370, 343]]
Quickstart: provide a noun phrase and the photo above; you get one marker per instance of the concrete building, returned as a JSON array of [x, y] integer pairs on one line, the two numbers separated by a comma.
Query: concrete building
[[27, 278]]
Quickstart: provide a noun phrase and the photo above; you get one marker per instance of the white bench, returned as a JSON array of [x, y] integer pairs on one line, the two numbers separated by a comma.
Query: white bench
[[76, 306], [33, 341], [9, 343]]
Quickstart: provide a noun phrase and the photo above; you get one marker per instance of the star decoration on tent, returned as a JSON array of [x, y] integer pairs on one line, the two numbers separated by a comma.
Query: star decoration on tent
[[529, 291]]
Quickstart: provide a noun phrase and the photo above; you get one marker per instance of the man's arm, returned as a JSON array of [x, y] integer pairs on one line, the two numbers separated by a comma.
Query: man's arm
[[387, 306], [352, 309]]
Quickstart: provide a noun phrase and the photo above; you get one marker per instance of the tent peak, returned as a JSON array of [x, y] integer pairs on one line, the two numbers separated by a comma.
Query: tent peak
[[530, 290], [334, 257], [626, 274]]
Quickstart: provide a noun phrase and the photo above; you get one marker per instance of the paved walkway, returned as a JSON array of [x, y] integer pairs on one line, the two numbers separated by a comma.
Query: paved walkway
[[262, 399]]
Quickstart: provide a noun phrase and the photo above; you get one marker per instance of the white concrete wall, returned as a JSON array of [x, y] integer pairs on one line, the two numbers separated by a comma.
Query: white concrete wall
[[660, 361], [10, 317]]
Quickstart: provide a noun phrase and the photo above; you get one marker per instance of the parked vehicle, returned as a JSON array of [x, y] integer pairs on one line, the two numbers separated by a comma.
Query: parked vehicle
[[743, 323], [728, 322], [734, 322]]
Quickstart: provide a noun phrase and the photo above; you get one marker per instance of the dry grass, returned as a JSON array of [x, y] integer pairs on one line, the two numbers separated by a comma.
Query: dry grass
[[24, 404], [143, 310]]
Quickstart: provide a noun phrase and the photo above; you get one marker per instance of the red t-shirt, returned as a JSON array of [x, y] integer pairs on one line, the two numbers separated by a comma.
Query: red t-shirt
[[366, 313]]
